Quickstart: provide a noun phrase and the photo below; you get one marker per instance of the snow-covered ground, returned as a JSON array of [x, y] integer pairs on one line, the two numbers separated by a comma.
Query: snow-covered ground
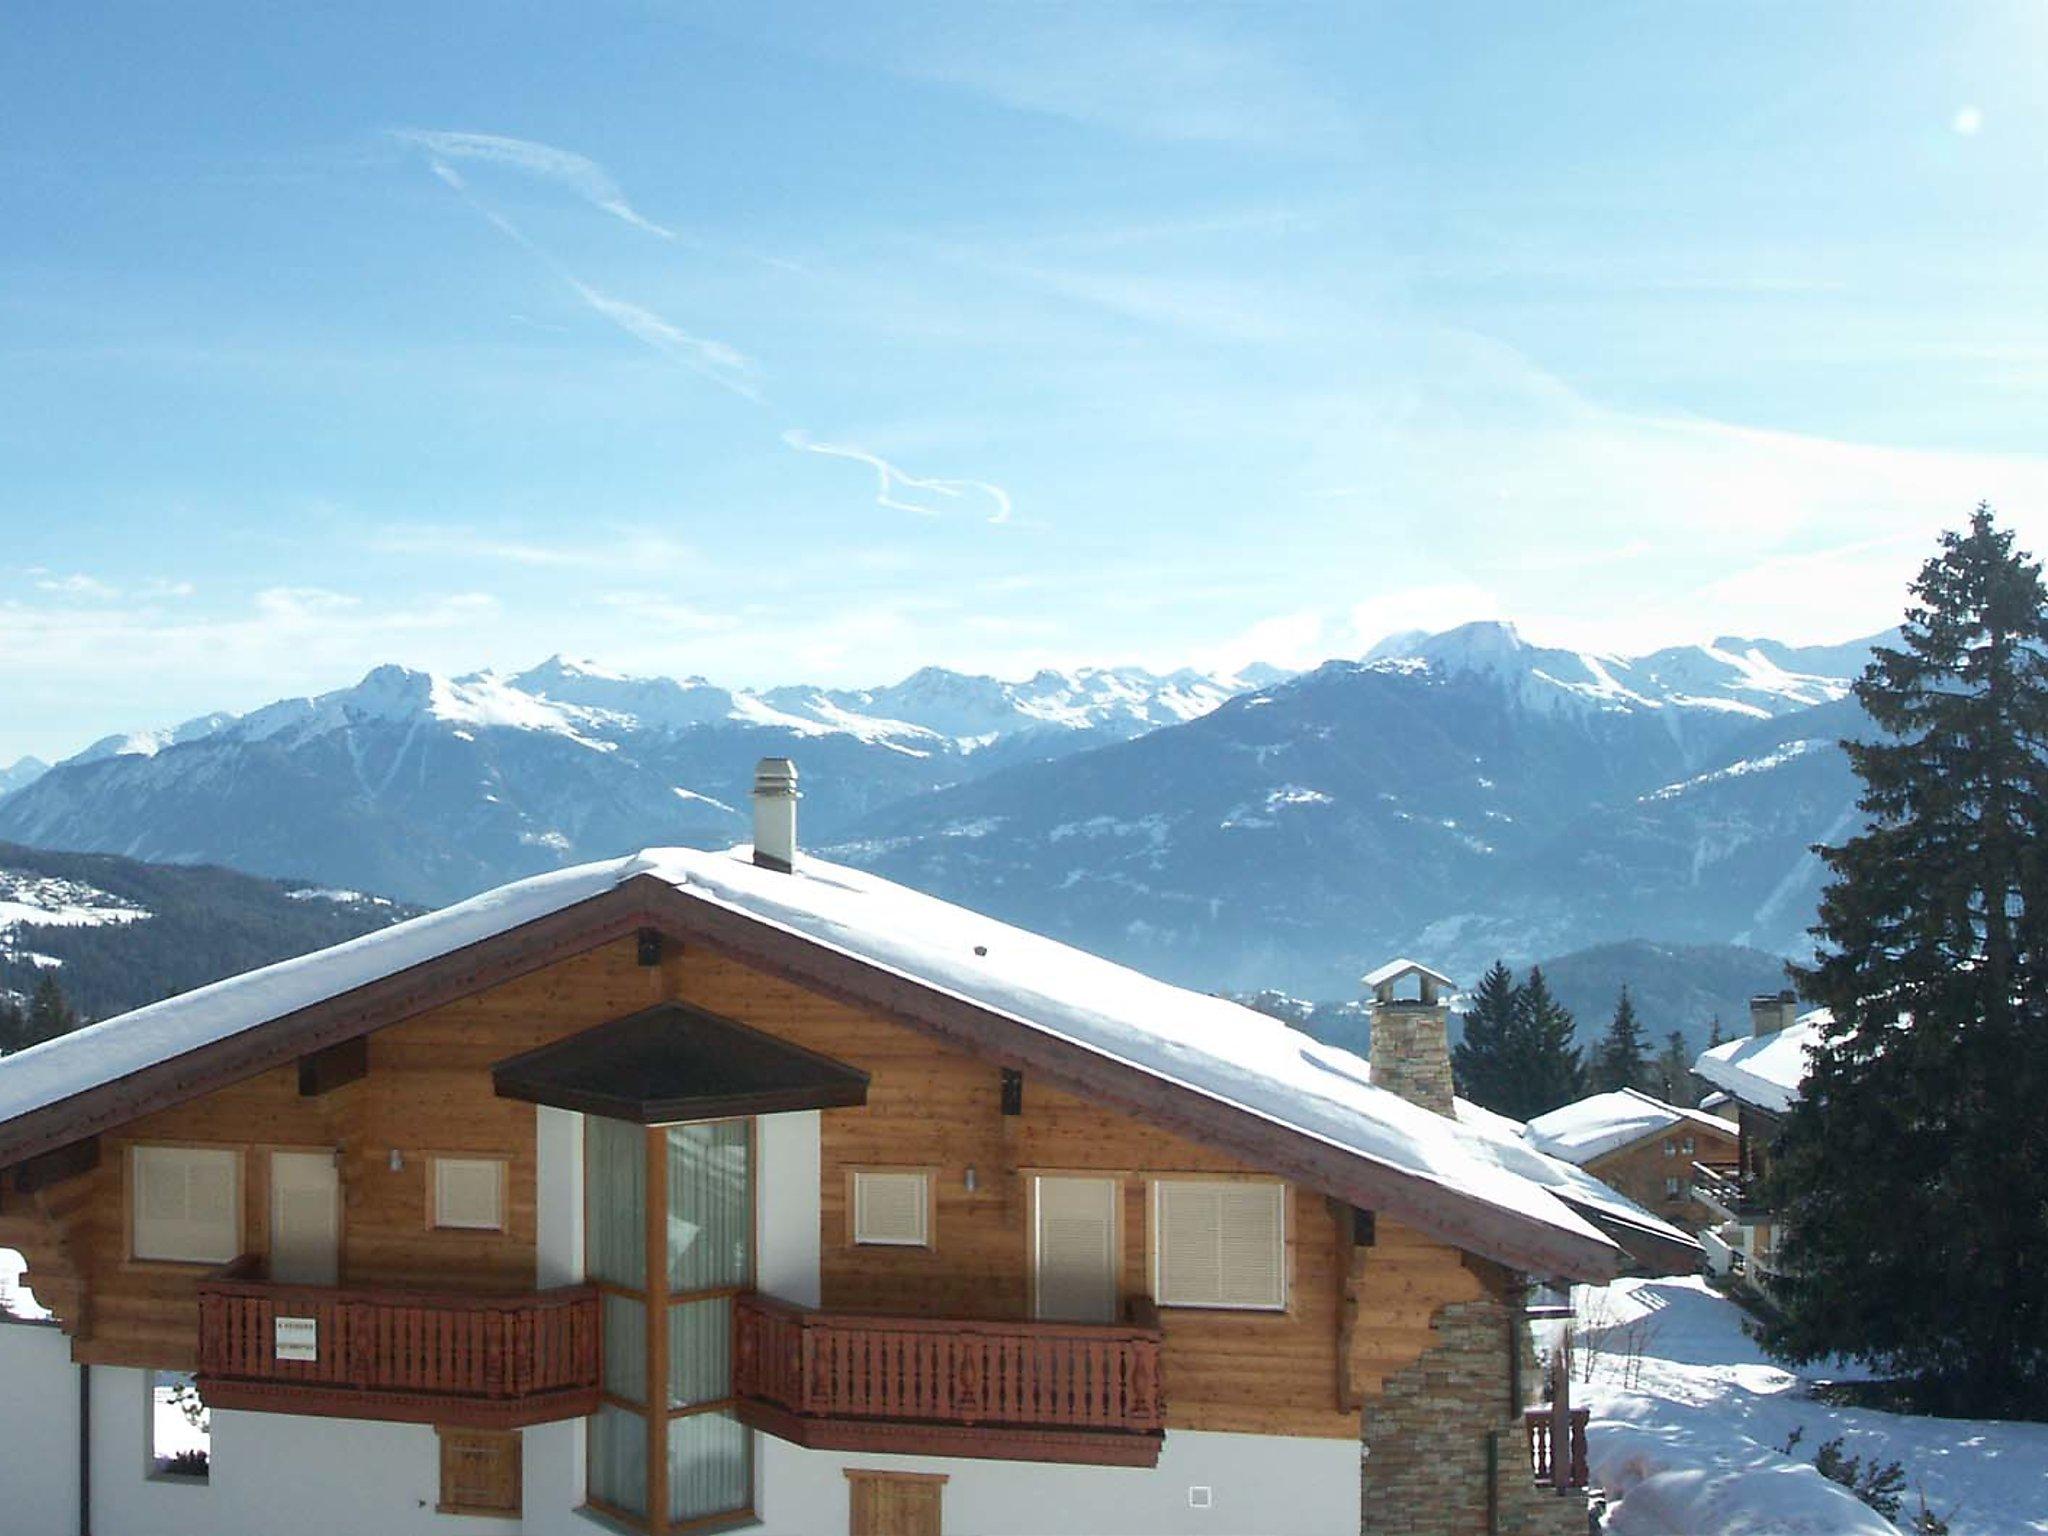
[[15, 1300], [1686, 1440]]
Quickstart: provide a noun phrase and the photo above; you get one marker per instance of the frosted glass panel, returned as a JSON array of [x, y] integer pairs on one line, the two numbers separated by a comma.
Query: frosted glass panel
[[615, 1201], [618, 1459], [710, 1466], [699, 1352], [710, 1204], [625, 1348]]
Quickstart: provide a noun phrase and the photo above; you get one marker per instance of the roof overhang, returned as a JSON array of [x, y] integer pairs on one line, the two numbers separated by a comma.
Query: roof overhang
[[672, 1062]]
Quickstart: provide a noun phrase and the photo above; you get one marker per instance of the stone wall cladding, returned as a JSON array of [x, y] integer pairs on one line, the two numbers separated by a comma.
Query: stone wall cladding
[[1411, 1053], [1425, 1438]]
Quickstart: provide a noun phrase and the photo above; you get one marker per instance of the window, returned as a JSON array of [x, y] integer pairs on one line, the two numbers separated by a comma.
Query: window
[[1217, 1244], [479, 1472], [892, 1208], [1686, 1146], [186, 1204], [180, 1428], [1671, 1188], [469, 1193], [669, 1235], [1670, 1147], [1074, 1248]]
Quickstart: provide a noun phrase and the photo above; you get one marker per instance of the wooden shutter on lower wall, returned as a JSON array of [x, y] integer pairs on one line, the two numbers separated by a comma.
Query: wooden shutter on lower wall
[[480, 1472], [1220, 1244], [1076, 1248], [894, 1503]]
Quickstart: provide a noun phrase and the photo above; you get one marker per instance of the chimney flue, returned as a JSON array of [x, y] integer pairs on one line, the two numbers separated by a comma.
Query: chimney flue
[[1411, 1051], [1773, 1011], [775, 798]]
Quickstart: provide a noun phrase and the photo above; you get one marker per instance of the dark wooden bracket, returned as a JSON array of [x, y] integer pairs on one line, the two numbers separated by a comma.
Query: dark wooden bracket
[[57, 1165], [1013, 1092], [334, 1067]]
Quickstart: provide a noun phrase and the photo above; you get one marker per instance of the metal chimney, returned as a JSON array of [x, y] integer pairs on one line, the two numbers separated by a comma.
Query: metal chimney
[[775, 798]]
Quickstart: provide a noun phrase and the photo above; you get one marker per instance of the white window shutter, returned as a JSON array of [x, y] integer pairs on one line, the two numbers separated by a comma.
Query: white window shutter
[[1076, 1243], [1220, 1244], [892, 1209], [469, 1193], [187, 1204]]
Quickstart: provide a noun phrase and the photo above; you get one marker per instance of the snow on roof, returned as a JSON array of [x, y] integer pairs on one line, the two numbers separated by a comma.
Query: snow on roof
[[1394, 970], [1593, 1127], [1765, 1070], [1207, 1044]]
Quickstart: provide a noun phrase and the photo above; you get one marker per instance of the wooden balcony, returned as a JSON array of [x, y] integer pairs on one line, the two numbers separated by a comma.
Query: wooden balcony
[[472, 1362], [1727, 1190], [1545, 1467], [1020, 1391]]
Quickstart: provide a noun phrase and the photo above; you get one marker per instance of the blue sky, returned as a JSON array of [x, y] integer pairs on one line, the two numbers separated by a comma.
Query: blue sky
[[820, 342]]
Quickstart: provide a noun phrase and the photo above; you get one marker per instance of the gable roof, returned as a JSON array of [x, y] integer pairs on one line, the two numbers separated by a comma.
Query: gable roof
[[1765, 1071], [1606, 1122], [1211, 1069]]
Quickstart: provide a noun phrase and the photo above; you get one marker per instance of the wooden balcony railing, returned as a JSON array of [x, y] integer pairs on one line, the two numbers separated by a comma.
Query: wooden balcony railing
[[1727, 1188], [937, 1386], [478, 1362], [1537, 1421]]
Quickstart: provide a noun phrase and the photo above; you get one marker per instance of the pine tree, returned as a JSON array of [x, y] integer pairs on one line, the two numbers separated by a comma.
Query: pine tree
[[1674, 1072], [1714, 1035], [13, 1025], [1483, 1061], [1547, 1062], [1912, 1172], [1620, 1058], [49, 1013]]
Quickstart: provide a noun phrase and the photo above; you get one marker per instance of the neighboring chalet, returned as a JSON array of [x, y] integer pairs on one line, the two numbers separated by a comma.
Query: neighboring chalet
[[1640, 1146], [1761, 1074], [700, 1191]]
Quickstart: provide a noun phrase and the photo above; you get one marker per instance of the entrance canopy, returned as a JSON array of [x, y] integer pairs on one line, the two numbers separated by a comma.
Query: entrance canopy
[[673, 1062]]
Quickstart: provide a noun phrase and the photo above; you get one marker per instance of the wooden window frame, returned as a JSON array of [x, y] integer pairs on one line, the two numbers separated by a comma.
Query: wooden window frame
[[1285, 1307], [131, 1188], [1117, 1239], [930, 1175], [447, 1438], [432, 1202], [655, 1301]]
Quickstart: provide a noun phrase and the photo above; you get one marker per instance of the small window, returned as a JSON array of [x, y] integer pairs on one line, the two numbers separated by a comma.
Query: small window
[[1670, 1147], [479, 1472], [186, 1203], [1219, 1244], [469, 1193], [1671, 1189], [892, 1209], [1686, 1146], [180, 1429]]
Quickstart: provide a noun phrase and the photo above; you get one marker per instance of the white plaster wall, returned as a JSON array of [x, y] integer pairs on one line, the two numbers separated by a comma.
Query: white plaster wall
[[38, 1431], [786, 1198], [1270, 1484]]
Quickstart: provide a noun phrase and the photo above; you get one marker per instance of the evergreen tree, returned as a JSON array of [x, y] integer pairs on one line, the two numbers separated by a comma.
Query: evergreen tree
[[1714, 1035], [49, 1012], [1912, 1172], [1548, 1062], [1483, 1060], [13, 1025], [1674, 1072], [1620, 1060]]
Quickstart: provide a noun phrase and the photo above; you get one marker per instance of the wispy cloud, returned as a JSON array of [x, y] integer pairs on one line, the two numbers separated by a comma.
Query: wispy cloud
[[603, 549], [890, 481], [576, 173], [725, 365], [73, 584]]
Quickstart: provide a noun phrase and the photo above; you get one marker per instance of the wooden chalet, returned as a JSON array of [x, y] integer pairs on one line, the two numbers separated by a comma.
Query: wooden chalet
[[697, 1191]]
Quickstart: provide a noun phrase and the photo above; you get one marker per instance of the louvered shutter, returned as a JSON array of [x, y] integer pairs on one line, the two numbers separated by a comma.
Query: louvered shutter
[[892, 1209], [469, 1192], [1076, 1249], [1220, 1244], [187, 1204]]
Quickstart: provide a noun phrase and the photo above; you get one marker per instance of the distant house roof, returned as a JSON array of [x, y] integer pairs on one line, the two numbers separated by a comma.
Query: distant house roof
[[1764, 1071], [1217, 1071], [1606, 1122]]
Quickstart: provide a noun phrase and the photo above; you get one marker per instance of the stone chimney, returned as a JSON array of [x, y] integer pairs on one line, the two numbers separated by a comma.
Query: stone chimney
[[1772, 1011], [775, 799], [1411, 1051]]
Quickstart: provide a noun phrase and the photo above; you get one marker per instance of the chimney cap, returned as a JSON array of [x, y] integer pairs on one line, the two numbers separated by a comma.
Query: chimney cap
[[1383, 979], [775, 776]]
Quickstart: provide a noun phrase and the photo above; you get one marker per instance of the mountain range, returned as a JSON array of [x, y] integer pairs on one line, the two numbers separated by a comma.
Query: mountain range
[[1454, 796]]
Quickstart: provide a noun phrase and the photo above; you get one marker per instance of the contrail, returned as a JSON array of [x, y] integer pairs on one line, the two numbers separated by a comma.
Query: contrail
[[888, 478]]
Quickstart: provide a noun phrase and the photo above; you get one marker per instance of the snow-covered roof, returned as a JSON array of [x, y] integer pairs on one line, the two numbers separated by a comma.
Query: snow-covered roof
[[1605, 1122], [1213, 1047], [1394, 970], [1765, 1070]]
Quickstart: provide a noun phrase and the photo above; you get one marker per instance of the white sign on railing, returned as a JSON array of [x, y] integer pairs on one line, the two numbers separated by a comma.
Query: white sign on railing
[[296, 1338]]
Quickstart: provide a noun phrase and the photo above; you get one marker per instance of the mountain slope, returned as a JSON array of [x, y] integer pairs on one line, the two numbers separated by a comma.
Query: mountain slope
[[120, 933], [433, 788]]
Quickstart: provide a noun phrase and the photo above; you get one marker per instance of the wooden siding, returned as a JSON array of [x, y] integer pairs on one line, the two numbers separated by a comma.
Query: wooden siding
[[1640, 1169], [427, 1090]]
